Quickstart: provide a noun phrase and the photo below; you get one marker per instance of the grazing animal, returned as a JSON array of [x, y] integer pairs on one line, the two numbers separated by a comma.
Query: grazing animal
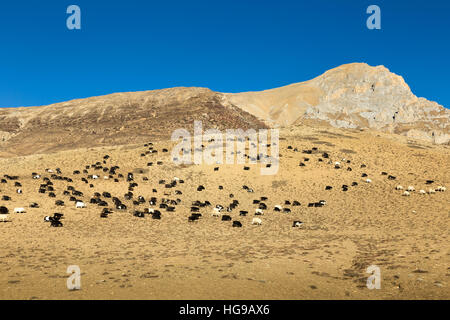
[[216, 212], [104, 214], [406, 194], [237, 224], [441, 189], [398, 188], [368, 181], [139, 214], [196, 209], [80, 204], [58, 216], [262, 206], [297, 224], [411, 188], [193, 218], [256, 221], [156, 215], [4, 213], [258, 212], [55, 223], [319, 204], [226, 218], [422, 192], [19, 210]]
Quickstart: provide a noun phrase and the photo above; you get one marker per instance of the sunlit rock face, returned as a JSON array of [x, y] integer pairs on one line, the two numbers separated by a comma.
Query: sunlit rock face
[[352, 96]]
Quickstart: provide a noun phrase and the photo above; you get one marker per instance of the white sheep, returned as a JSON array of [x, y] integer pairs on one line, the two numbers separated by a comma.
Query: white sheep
[[368, 181], [36, 176], [19, 191], [80, 204], [422, 191], [337, 165], [258, 212], [406, 194], [94, 176], [398, 188], [19, 210], [411, 188], [257, 221], [4, 217], [441, 189], [216, 212], [431, 191]]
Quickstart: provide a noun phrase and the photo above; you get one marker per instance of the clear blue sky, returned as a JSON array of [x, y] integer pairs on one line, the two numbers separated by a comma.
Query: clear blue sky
[[228, 46]]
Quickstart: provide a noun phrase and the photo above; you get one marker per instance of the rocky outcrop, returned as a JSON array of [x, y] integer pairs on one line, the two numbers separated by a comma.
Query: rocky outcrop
[[351, 96]]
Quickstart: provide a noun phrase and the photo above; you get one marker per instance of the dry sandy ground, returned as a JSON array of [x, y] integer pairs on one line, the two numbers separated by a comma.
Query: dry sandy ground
[[125, 257]]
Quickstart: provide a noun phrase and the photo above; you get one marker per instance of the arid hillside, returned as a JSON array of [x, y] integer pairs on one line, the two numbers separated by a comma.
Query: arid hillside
[[134, 253], [350, 96], [121, 118]]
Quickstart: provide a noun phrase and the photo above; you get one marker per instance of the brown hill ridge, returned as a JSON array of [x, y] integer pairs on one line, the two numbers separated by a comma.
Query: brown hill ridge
[[116, 119], [350, 96]]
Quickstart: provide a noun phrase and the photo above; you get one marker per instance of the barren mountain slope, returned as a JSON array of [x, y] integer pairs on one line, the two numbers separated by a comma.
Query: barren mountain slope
[[120, 118], [351, 96]]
